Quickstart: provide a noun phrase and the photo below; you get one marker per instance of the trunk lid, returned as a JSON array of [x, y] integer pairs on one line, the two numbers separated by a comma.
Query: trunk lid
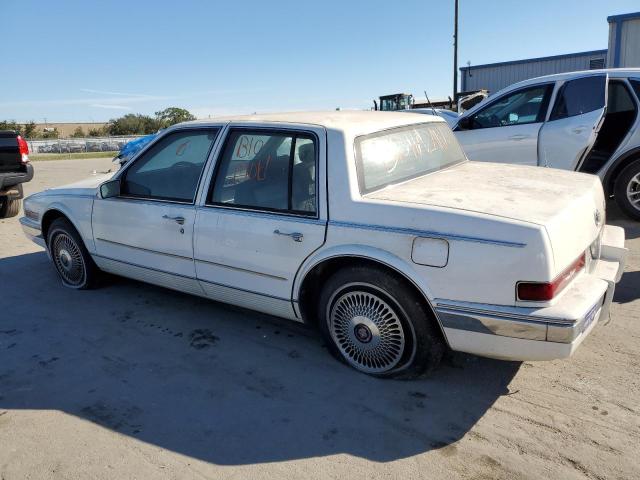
[[566, 204]]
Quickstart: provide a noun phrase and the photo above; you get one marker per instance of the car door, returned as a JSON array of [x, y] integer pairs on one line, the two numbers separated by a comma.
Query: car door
[[506, 130], [264, 214], [575, 120], [146, 231]]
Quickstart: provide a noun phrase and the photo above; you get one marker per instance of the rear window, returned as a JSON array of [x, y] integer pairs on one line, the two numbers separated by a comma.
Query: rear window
[[399, 154]]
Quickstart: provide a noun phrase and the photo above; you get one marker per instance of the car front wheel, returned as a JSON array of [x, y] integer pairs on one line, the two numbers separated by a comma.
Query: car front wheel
[[627, 190], [70, 257], [376, 323]]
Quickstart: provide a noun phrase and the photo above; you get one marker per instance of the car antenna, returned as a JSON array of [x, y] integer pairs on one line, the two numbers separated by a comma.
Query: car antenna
[[429, 102]]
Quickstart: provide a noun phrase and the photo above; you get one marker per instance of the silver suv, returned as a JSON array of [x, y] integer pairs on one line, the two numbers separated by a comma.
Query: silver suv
[[585, 121]]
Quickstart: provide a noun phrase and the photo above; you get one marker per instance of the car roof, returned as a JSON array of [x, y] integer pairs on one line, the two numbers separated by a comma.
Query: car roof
[[615, 72], [352, 121]]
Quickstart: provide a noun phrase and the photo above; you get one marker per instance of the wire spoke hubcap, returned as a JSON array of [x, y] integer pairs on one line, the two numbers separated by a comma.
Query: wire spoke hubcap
[[68, 260], [367, 331], [633, 191]]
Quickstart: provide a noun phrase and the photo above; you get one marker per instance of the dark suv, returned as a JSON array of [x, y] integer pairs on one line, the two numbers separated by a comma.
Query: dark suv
[[15, 170]]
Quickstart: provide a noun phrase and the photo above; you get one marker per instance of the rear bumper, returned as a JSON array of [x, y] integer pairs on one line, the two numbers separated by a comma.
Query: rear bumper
[[546, 333], [10, 179], [32, 230]]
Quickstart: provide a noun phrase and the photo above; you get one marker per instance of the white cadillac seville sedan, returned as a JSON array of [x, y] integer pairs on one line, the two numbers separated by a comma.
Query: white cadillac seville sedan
[[372, 226]]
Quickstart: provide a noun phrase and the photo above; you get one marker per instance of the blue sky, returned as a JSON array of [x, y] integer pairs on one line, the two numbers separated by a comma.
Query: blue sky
[[90, 61]]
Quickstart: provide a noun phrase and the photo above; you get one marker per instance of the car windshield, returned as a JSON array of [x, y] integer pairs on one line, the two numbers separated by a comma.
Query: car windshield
[[398, 154]]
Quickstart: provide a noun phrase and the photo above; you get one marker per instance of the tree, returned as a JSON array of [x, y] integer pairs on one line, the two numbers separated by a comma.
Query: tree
[[29, 130], [51, 133], [78, 133], [172, 115], [132, 124], [9, 125], [96, 132]]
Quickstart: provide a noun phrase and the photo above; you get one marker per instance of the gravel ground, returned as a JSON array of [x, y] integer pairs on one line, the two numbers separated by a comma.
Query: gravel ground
[[134, 381]]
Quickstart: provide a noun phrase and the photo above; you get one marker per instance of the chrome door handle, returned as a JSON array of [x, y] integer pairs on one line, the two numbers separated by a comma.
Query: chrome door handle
[[296, 236], [519, 137], [178, 220]]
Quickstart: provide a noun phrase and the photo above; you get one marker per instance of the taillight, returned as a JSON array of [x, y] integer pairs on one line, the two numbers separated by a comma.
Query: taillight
[[542, 291], [23, 149]]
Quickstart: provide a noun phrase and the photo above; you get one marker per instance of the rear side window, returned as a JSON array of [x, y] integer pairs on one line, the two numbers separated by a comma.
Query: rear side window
[[620, 99], [579, 96], [171, 168]]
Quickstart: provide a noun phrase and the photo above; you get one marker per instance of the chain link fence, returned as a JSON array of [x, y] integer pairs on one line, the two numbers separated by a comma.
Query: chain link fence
[[79, 145]]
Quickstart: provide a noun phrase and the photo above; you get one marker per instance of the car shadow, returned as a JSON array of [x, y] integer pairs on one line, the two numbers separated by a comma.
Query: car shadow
[[216, 383], [628, 290], [615, 216]]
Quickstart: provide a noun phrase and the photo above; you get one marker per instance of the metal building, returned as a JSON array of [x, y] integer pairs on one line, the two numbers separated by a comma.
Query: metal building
[[494, 76], [623, 52], [624, 40]]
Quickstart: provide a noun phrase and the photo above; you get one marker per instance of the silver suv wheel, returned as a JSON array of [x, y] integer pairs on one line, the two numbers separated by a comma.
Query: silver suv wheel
[[633, 191]]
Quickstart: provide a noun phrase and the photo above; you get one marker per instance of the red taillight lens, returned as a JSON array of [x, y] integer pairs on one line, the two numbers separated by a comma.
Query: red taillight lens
[[539, 291], [23, 149]]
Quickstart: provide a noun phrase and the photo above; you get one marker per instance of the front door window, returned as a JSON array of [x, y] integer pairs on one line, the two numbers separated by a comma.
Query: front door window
[[528, 105], [170, 169]]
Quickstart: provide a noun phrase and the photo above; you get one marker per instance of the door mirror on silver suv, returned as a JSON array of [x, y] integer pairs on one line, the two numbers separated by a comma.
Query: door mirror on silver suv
[[110, 189]]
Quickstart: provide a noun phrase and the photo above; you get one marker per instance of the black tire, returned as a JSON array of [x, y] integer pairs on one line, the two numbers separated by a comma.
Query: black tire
[[9, 207], [408, 343], [626, 182], [70, 257]]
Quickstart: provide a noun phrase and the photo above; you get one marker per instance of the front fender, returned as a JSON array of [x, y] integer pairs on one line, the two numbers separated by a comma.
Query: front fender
[[78, 211]]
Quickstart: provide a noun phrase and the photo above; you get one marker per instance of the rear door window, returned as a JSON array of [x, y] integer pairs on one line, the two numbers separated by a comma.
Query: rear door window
[[579, 96], [267, 170]]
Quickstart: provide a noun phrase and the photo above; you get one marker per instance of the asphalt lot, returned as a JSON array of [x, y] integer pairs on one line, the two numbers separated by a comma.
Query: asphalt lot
[[135, 381]]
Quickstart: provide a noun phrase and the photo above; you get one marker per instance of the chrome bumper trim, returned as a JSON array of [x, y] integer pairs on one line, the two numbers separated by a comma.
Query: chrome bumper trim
[[518, 325], [492, 323], [32, 231]]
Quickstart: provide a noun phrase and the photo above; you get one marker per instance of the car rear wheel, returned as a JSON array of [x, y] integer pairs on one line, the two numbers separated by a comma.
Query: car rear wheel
[[627, 190], [376, 323], [9, 207], [70, 257]]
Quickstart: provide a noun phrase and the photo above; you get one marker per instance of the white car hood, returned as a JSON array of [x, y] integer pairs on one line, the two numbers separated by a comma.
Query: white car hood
[[87, 186], [564, 203]]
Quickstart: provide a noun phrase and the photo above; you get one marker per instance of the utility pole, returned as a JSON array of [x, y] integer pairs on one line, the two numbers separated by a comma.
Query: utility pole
[[455, 54]]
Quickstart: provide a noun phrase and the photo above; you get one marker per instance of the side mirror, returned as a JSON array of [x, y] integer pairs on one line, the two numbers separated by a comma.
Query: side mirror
[[110, 189], [465, 123], [513, 117]]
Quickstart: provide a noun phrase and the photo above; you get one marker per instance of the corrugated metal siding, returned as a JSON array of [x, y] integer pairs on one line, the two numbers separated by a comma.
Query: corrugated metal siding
[[493, 77], [612, 46], [630, 44]]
